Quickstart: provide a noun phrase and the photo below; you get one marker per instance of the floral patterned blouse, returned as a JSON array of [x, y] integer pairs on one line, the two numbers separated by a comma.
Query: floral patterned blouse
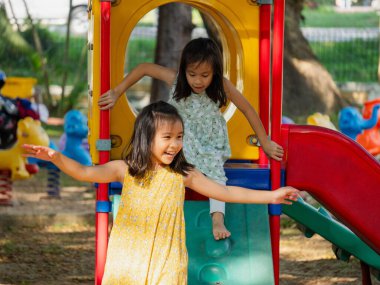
[[206, 143]]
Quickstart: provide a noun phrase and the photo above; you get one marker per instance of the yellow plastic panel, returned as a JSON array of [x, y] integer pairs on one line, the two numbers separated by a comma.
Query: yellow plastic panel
[[238, 21], [18, 87], [94, 78]]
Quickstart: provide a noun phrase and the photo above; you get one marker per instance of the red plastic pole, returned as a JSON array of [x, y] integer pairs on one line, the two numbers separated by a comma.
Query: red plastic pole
[[104, 156], [264, 71], [277, 73]]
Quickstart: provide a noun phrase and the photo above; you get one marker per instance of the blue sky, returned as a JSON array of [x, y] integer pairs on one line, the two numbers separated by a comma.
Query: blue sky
[[42, 9]]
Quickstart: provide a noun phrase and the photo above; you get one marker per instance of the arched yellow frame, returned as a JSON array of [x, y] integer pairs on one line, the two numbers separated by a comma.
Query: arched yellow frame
[[238, 21]]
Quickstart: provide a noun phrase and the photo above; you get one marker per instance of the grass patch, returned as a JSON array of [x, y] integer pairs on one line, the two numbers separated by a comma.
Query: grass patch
[[53, 131], [349, 61], [52, 249], [326, 17]]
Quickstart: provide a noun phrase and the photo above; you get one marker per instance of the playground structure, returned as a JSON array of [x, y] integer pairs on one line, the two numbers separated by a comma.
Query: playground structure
[[13, 166], [312, 161]]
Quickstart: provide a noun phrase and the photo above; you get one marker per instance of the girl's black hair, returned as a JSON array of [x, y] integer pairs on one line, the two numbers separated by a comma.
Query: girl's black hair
[[202, 50], [138, 158]]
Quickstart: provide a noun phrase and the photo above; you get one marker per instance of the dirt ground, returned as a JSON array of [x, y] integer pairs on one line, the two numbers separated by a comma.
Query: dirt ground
[[45, 242]]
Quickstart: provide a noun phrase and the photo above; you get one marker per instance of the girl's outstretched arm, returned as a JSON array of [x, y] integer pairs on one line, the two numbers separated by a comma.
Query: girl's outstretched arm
[[233, 194], [272, 149], [107, 100], [105, 173]]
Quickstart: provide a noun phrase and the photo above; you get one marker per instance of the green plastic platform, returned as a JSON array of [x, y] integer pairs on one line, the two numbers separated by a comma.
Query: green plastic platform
[[244, 258]]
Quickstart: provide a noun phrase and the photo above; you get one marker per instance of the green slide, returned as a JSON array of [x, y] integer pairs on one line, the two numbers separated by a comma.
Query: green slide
[[320, 221], [244, 258]]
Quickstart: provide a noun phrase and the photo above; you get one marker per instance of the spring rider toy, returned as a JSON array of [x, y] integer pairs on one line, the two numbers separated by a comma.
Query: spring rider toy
[[76, 131], [370, 138], [75, 127], [17, 127], [352, 124], [29, 131]]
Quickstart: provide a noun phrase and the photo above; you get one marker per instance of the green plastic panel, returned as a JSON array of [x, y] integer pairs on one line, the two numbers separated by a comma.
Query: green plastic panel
[[244, 258]]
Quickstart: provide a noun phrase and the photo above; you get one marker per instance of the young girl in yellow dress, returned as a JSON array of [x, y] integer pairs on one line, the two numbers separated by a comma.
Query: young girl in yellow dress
[[147, 243]]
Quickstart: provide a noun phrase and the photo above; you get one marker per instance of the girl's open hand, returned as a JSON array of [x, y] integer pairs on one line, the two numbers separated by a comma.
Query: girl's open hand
[[285, 195], [273, 150], [107, 100], [40, 152]]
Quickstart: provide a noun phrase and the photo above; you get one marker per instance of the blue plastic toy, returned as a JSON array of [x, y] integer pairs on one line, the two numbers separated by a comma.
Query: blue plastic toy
[[75, 127], [76, 130], [352, 124]]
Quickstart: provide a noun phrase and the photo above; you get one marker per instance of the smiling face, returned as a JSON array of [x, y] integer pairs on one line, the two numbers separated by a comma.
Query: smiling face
[[167, 142], [199, 76]]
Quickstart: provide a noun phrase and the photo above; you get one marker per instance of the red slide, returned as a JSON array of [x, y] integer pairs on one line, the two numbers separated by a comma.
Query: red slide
[[337, 172]]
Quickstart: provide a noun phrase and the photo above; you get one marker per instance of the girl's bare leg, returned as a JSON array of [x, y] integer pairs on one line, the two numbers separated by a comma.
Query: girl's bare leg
[[219, 229], [217, 211]]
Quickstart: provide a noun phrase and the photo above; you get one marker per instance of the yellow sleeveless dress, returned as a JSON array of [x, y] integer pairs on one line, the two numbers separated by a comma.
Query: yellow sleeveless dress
[[147, 244]]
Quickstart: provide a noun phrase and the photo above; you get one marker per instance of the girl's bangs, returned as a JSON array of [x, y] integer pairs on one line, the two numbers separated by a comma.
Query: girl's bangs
[[162, 118]]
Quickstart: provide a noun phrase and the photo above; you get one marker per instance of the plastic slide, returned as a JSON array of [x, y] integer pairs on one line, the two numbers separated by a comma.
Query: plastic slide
[[340, 174], [320, 222]]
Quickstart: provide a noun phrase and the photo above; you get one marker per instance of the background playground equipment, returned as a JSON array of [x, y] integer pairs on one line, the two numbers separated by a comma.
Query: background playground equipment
[[321, 120], [29, 131], [75, 131], [370, 138], [18, 87], [352, 124], [24, 129], [250, 256]]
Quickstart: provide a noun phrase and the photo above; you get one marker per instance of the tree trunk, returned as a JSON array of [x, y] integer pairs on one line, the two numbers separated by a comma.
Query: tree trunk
[[211, 29], [308, 87], [38, 46], [14, 16], [66, 57], [174, 32]]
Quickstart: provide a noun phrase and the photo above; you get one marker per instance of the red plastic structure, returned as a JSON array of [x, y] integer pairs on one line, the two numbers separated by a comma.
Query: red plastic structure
[[346, 181]]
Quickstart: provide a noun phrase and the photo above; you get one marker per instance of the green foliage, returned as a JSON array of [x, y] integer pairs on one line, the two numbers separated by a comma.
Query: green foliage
[[140, 50], [325, 16], [47, 39], [349, 61], [15, 52], [56, 55], [24, 61], [20, 58]]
